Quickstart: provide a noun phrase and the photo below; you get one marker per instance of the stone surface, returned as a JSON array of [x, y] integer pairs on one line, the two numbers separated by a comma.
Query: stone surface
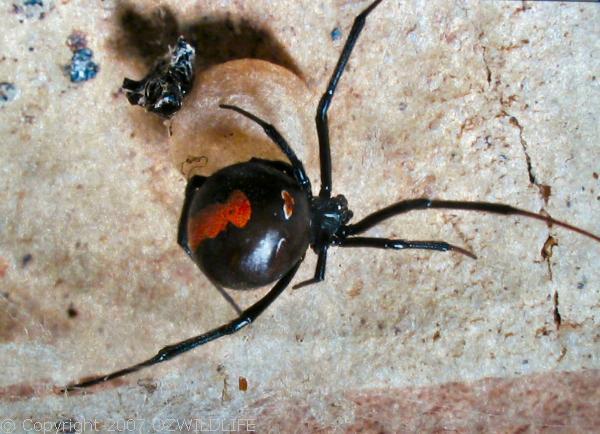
[[456, 100]]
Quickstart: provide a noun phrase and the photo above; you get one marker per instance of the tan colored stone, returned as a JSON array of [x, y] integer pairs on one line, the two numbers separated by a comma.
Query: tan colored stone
[[443, 99]]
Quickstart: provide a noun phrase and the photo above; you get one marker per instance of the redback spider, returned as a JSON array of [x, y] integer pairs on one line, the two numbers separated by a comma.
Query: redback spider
[[250, 224]]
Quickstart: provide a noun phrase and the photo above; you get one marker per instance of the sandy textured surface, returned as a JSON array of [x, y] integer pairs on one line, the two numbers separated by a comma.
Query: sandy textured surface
[[457, 100]]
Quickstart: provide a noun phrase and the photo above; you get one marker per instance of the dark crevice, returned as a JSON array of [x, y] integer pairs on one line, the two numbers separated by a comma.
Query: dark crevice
[[557, 317], [547, 252], [217, 39], [545, 190], [513, 121], [487, 67], [142, 37]]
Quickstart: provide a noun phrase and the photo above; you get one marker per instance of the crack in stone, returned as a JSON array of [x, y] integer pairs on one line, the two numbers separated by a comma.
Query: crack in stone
[[514, 121], [545, 190], [524, 8], [547, 253], [556, 313], [487, 67]]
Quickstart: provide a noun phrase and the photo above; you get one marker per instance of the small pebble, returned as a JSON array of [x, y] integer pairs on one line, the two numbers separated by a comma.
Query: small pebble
[[33, 9], [71, 311], [8, 93], [76, 41], [26, 259], [336, 34], [82, 66]]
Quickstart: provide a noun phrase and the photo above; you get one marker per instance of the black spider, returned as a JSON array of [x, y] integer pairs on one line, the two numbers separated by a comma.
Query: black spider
[[250, 224]]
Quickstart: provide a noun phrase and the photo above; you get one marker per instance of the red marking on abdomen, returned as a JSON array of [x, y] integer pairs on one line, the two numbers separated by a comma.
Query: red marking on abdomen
[[288, 204], [212, 220]]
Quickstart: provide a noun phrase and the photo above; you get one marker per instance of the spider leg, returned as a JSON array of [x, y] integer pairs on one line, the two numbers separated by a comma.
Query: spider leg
[[319, 269], [228, 298], [277, 138], [193, 184], [487, 207], [388, 243], [323, 107], [248, 316]]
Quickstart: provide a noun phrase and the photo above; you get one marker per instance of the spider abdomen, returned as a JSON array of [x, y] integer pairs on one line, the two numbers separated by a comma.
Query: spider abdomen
[[248, 224]]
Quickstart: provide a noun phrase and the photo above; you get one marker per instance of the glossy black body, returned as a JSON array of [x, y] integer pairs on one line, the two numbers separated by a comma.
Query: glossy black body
[[270, 243]]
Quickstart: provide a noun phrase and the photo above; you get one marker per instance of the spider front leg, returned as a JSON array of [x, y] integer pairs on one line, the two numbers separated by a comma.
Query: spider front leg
[[277, 138], [485, 207], [323, 107], [248, 316]]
